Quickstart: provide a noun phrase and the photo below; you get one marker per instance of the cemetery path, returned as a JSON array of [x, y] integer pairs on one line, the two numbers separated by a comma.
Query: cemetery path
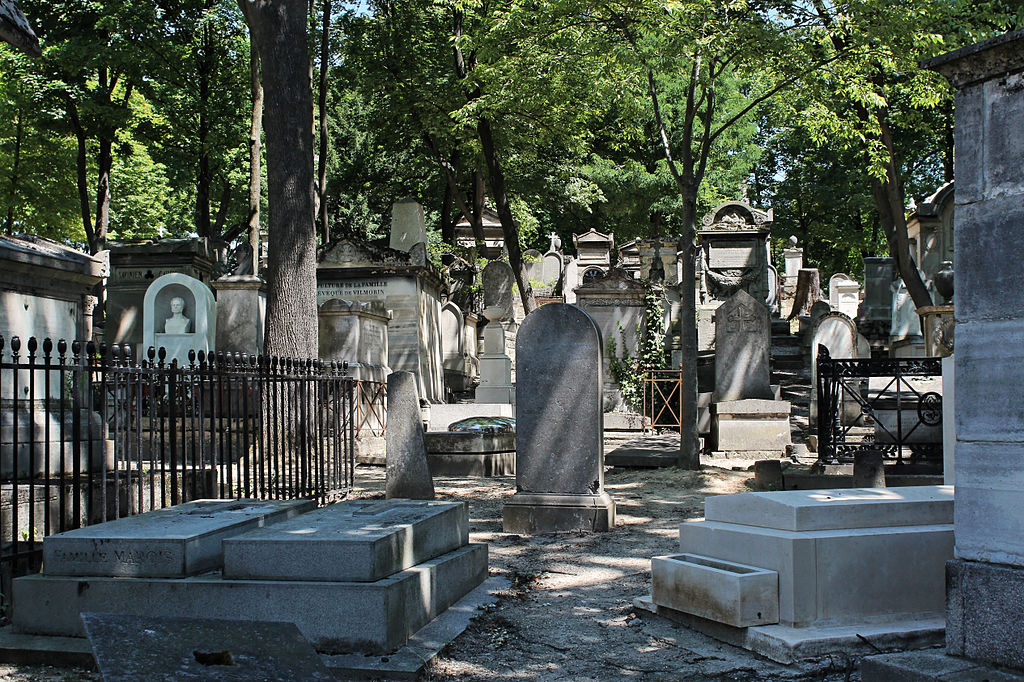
[[568, 614]]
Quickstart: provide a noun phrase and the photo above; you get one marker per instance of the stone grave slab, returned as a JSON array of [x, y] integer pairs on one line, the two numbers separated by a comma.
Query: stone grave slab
[[166, 543], [337, 617], [129, 648], [811, 510], [359, 541]]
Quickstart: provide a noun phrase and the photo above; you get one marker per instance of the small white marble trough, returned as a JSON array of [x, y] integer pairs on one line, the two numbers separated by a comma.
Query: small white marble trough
[[723, 591]]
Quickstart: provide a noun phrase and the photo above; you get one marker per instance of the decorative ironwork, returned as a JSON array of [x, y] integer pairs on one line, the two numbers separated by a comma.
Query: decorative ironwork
[[847, 399], [89, 434], [663, 399]]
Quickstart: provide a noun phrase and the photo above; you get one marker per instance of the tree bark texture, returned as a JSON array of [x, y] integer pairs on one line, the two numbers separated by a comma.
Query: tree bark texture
[[325, 54], [255, 149], [279, 29], [508, 223]]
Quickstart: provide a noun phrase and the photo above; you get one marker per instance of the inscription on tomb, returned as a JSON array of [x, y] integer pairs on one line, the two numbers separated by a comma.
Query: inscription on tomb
[[358, 289], [732, 257]]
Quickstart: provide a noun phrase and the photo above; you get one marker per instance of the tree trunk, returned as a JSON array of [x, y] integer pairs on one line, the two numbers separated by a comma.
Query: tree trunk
[[279, 28], [203, 178], [104, 162], [255, 149], [508, 224], [81, 180], [325, 48], [689, 452]]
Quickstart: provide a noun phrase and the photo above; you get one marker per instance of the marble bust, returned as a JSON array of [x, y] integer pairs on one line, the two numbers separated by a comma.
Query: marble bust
[[177, 323]]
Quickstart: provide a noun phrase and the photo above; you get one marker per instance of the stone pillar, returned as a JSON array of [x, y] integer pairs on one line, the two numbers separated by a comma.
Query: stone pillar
[[985, 579], [241, 313], [495, 365], [407, 474], [794, 259], [559, 426]]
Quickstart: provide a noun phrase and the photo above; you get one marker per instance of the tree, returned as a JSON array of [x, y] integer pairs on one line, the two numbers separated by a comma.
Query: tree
[[279, 29]]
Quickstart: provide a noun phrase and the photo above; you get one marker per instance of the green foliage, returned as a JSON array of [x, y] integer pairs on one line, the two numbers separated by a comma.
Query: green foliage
[[630, 371]]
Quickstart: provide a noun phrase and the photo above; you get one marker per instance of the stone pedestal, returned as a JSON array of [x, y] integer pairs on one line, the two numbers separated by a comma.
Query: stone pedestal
[[751, 425], [241, 313], [495, 366], [552, 512], [455, 453]]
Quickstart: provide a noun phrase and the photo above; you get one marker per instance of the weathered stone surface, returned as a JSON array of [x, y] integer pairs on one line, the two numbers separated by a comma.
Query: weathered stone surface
[[559, 425], [742, 340], [471, 453], [724, 591], [198, 317], [499, 283], [408, 227], [358, 541], [171, 542], [241, 312], [407, 472], [983, 606], [172, 649], [751, 425]]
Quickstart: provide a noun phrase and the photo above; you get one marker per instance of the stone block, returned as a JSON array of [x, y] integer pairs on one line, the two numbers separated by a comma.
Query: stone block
[[454, 453], [241, 314], [742, 340], [984, 603], [929, 666], [992, 260], [357, 541], [988, 354], [989, 518], [165, 543], [731, 593], [407, 474], [811, 510], [761, 425], [337, 617], [441, 415], [550, 512]]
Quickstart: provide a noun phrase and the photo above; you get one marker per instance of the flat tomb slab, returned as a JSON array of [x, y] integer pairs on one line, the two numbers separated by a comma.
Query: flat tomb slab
[[447, 442], [835, 509], [724, 591], [468, 464], [172, 542], [337, 617], [172, 649], [361, 541]]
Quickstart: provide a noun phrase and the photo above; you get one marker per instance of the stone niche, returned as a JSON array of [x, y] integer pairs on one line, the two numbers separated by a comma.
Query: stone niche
[[733, 257], [844, 294], [179, 314], [133, 267], [616, 302], [593, 256], [404, 283], [356, 333]]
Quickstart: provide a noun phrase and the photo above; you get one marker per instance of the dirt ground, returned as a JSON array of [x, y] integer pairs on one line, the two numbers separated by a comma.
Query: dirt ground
[[568, 614]]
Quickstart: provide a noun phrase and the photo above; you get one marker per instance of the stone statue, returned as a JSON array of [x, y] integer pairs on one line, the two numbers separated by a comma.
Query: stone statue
[[243, 260], [177, 323]]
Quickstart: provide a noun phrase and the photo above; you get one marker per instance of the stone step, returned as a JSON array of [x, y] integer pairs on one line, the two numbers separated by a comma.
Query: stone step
[[337, 617], [173, 542], [359, 541]]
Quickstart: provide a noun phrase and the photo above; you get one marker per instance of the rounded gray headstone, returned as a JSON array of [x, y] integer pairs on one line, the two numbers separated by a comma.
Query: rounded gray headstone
[[559, 418], [499, 284]]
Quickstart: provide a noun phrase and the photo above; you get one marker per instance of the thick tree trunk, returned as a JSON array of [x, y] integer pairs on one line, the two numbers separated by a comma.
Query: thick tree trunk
[[508, 224], [325, 49], [689, 452], [203, 179], [255, 149], [81, 177], [279, 28], [104, 163]]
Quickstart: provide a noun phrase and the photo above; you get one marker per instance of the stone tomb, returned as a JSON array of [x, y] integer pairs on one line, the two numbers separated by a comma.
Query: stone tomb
[[173, 542], [559, 426], [355, 577], [468, 453], [745, 414], [805, 573], [241, 313], [844, 294], [179, 314]]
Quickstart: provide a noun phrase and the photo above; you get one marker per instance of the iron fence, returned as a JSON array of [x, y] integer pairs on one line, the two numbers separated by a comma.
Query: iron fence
[[87, 434], [892, 414], [663, 399]]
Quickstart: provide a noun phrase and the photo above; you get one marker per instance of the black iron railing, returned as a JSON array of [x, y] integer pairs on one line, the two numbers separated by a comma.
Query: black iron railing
[[891, 414], [88, 435]]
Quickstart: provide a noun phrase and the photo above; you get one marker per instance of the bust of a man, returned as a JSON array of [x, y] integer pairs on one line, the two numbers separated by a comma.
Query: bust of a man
[[177, 323]]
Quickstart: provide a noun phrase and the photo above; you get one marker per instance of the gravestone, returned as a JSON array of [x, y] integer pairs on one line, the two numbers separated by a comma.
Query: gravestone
[[559, 426], [551, 273], [906, 323], [179, 314], [408, 227], [742, 340], [454, 353], [874, 316], [407, 473], [774, 290], [839, 335], [496, 386], [499, 283], [172, 649], [794, 258], [533, 261], [241, 313], [844, 294]]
